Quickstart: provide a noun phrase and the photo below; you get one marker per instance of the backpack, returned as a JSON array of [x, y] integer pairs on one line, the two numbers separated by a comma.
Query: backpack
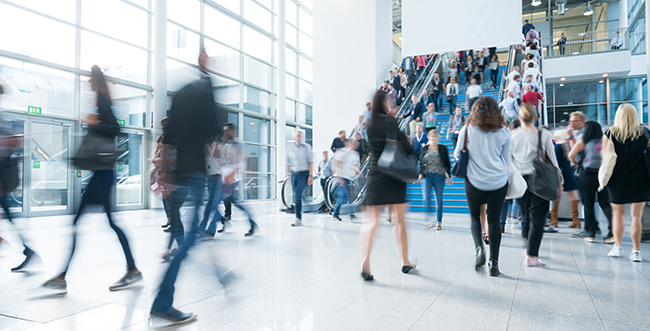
[[591, 159]]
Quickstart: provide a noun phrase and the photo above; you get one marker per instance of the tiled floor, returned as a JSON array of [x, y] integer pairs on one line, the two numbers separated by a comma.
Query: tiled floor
[[308, 278]]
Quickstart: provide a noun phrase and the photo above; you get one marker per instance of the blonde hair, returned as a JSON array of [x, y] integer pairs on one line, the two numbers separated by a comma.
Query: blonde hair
[[626, 124], [579, 114], [527, 113]]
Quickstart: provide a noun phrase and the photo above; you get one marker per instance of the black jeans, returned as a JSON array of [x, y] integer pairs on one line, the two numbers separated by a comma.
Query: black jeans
[[475, 199], [589, 185], [437, 100], [4, 201], [98, 192], [533, 217]]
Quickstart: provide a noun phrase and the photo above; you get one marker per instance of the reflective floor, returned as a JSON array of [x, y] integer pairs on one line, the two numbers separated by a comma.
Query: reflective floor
[[308, 278]]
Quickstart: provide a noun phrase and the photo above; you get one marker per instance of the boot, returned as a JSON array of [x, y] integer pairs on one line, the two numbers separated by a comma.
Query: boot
[[575, 213], [555, 209]]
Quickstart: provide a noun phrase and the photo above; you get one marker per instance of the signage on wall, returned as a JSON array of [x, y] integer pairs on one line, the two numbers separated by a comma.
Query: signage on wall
[[33, 110], [37, 165], [121, 122], [120, 167]]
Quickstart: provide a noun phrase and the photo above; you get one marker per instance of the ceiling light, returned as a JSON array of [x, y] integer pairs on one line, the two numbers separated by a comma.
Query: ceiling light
[[561, 84], [601, 81], [536, 3], [562, 79], [605, 75], [588, 11]]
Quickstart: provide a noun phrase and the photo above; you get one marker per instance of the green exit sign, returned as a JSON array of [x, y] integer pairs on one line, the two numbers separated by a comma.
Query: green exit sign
[[33, 110], [37, 165], [121, 122]]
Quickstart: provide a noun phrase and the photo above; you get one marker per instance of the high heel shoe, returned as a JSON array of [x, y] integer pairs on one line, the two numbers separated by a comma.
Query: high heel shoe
[[480, 257], [494, 268], [407, 268], [366, 276], [486, 239]]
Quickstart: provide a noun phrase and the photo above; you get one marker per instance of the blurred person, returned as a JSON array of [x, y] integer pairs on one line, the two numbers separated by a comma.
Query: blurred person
[[513, 87], [488, 146], [575, 130], [437, 89], [346, 167], [469, 69], [571, 185], [617, 42], [418, 140], [383, 190], [231, 159], [515, 72], [532, 50], [324, 170], [392, 96], [214, 184], [532, 37], [561, 43], [421, 64], [360, 126], [452, 94], [494, 69], [9, 180], [429, 119], [481, 63], [456, 123], [629, 183], [403, 82], [361, 147], [452, 72], [338, 142], [407, 65], [531, 97], [532, 71], [528, 58], [585, 154], [525, 146], [193, 120], [384, 86], [474, 92], [103, 123], [434, 169], [299, 164], [397, 82], [510, 107], [426, 99], [526, 27], [414, 114], [532, 83]]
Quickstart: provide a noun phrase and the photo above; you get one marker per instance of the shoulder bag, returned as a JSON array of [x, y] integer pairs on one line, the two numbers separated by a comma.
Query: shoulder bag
[[394, 161], [96, 152], [516, 183], [545, 180], [460, 168], [607, 165]]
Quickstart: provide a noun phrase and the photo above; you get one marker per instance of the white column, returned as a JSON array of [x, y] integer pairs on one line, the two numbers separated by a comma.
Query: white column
[[159, 65], [281, 144], [622, 14]]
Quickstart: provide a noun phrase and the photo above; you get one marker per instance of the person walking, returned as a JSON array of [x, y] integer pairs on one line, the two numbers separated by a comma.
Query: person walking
[[383, 190], [103, 123], [437, 89], [588, 149], [214, 184], [488, 147], [456, 123], [452, 72], [435, 168], [494, 69], [452, 94], [429, 119], [231, 159], [418, 140], [338, 142], [629, 183], [571, 185], [346, 167], [299, 164], [510, 107], [526, 144], [473, 93], [414, 114]]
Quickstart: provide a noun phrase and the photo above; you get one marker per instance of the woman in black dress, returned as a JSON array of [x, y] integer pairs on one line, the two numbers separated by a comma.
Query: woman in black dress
[[383, 190], [630, 183]]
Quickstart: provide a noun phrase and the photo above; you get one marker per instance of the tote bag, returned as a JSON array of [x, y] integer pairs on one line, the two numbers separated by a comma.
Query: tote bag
[[96, 152], [516, 183], [607, 165], [460, 168], [394, 161], [545, 180]]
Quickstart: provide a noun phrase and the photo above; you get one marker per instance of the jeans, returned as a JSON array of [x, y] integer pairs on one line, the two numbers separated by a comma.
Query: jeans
[[299, 181], [214, 198], [562, 49], [230, 196], [589, 185], [504, 212], [533, 217], [342, 194], [190, 187], [98, 192], [437, 100], [454, 140], [475, 199], [470, 103], [493, 75], [437, 181], [452, 105]]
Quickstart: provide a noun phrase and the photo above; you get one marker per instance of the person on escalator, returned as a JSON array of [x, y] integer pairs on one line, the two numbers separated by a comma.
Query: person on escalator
[[346, 167], [481, 63], [338, 142], [362, 147], [418, 140], [407, 65], [414, 113]]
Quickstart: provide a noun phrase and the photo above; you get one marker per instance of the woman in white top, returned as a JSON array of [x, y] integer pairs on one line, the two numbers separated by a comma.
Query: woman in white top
[[529, 58], [452, 71], [494, 69], [513, 87], [452, 90], [525, 142], [488, 148]]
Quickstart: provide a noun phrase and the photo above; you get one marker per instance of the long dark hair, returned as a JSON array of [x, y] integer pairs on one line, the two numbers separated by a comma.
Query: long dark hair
[[593, 131], [486, 115], [378, 108], [98, 81]]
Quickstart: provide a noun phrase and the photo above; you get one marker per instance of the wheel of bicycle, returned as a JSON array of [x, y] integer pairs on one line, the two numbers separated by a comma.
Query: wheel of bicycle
[[287, 193]]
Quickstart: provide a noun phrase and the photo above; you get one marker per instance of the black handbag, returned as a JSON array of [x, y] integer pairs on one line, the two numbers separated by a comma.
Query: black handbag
[[460, 168], [545, 180], [9, 174], [646, 155], [450, 98], [394, 161], [96, 152]]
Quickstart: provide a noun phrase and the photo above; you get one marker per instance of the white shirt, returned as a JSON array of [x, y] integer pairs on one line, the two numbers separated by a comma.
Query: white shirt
[[524, 64], [512, 74], [524, 149], [531, 72], [474, 91], [346, 163], [514, 88], [511, 106]]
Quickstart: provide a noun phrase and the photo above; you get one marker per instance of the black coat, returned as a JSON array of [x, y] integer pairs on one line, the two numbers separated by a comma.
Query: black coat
[[107, 125], [337, 144], [444, 155]]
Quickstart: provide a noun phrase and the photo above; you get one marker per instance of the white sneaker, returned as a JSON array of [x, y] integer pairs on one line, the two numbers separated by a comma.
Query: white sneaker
[[615, 252], [516, 225], [297, 222], [635, 256]]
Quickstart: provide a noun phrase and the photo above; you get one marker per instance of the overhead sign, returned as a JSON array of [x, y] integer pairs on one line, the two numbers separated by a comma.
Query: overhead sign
[[121, 122], [33, 110]]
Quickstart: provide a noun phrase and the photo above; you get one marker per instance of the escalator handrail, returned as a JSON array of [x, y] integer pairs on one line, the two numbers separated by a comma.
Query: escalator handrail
[[417, 89], [510, 64]]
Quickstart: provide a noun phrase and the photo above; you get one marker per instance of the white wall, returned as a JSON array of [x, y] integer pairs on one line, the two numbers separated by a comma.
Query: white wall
[[352, 55], [587, 66]]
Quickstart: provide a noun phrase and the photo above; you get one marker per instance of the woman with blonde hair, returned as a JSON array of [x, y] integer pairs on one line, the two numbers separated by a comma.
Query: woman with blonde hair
[[629, 183]]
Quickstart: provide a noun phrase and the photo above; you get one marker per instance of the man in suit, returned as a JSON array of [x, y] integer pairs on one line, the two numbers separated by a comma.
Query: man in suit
[[414, 113]]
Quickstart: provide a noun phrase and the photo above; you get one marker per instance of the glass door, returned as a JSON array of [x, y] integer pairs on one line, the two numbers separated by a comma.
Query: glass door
[[16, 127], [130, 170]]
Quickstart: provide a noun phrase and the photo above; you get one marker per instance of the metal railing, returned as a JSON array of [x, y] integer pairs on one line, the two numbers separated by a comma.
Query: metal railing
[[510, 64], [588, 42], [422, 82], [637, 42]]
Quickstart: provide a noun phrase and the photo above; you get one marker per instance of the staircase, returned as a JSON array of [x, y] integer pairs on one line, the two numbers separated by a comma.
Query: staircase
[[454, 199]]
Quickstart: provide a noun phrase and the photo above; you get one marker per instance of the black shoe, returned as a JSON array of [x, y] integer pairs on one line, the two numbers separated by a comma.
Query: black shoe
[[227, 217], [224, 223], [407, 268], [336, 218], [480, 257], [168, 229], [251, 231], [366, 276], [126, 281], [29, 254], [353, 217], [206, 234], [494, 268], [175, 316], [486, 239]]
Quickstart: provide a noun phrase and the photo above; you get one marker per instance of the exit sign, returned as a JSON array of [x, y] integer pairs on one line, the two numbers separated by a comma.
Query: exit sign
[[121, 122], [33, 110]]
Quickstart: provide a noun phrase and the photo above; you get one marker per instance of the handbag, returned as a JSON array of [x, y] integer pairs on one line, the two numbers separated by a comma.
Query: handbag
[[450, 99], [646, 155], [460, 168], [96, 152], [607, 165], [545, 179], [516, 183], [394, 161]]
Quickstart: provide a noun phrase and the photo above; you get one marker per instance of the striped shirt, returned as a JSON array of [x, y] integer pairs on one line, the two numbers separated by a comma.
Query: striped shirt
[[524, 149]]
